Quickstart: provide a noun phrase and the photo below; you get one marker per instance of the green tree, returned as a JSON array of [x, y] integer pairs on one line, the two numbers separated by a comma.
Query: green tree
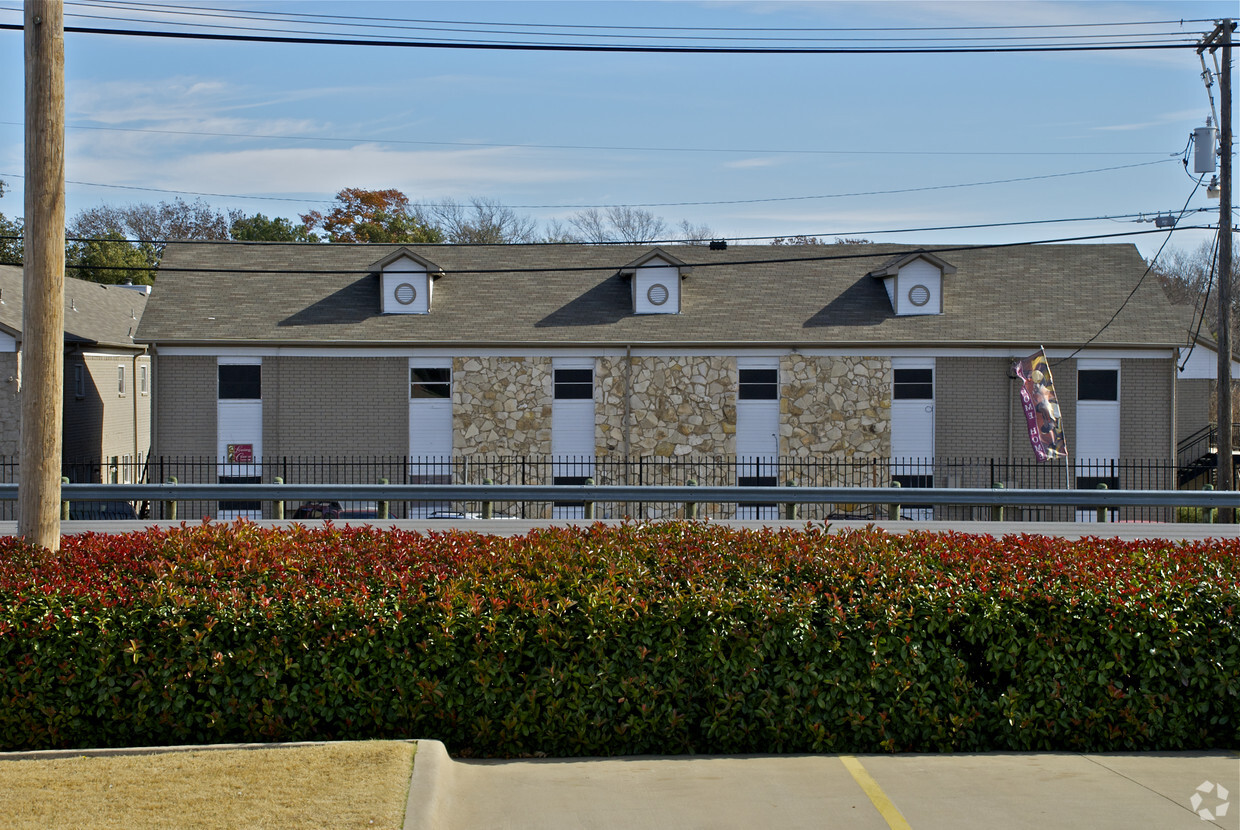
[[372, 216], [11, 233], [259, 228], [112, 260], [155, 224]]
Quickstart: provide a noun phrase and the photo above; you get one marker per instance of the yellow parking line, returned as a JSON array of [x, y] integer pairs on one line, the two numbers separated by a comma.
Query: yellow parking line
[[879, 798]]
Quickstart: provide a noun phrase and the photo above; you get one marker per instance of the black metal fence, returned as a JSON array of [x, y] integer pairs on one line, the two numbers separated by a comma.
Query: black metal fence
[[979, 472]]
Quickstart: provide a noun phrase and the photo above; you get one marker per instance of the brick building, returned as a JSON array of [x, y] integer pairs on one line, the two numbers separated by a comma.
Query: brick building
[[583, 355], [107, 378]]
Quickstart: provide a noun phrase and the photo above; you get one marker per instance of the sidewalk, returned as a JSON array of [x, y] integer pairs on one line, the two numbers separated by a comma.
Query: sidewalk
[[871, 792]]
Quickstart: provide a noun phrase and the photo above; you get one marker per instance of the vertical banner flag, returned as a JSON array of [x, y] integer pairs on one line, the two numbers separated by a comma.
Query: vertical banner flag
[[1037, 397]]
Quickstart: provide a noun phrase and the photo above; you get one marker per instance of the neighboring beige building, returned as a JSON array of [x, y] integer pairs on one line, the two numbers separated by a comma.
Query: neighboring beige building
[[551, 363], [107, 378]]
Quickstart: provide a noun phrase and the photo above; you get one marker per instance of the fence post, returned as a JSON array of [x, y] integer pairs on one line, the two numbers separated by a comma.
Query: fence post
[[588, 507], [790, 508], [691, 508], [1102, 509], [64, 504], [996, 510], [170, 507], [278, 504], [488, 508], [384, 505], [893, 510]]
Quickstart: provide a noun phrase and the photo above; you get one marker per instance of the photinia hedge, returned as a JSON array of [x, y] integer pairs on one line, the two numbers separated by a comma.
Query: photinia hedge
[[661, 638]]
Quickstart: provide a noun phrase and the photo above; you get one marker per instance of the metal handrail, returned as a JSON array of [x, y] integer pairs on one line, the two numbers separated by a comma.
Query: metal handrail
[[615, 493]]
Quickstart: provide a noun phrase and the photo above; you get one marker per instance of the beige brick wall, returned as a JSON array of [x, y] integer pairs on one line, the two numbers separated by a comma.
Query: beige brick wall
[[186, 397], [976, 408], [10, 406], [102, 422], [335, 406], [1192, 406], [1145, 414]]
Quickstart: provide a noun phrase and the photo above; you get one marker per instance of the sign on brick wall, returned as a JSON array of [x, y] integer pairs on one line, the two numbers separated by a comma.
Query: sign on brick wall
[[240, 453]]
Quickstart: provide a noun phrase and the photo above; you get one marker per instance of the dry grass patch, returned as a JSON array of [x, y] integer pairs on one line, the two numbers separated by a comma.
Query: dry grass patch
[[357, 784]]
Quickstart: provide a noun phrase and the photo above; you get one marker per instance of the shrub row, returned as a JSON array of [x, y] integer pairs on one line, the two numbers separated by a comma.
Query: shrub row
[[663, 638]]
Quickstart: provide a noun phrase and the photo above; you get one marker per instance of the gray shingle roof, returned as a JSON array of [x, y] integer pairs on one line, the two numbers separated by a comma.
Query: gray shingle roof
[[103, 315], [1059, 295]]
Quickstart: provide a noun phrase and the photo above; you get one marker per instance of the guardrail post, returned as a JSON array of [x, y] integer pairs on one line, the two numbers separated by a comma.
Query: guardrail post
[[64, 503], [996, 511], [588, 507], [170, 507], [893, 510], [790, 509], [691, 508], [384, 505], [1210, 514], [1102, 509], [488, 508], [278, 505]]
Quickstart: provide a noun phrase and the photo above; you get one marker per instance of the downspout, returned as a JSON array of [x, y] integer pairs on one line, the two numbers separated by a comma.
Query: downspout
[[628, 406], [137, 393], [1175, 412]]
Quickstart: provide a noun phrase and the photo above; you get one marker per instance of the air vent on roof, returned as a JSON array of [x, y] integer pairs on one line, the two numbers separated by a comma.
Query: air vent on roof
[[719, 244]]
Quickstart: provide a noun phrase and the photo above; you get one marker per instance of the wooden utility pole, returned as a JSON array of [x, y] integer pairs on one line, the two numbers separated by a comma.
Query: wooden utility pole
[[1220, 38], [43, 301]]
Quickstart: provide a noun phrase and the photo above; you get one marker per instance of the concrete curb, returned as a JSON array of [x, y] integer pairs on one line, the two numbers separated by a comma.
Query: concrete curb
[[119, 751], [429, 788]]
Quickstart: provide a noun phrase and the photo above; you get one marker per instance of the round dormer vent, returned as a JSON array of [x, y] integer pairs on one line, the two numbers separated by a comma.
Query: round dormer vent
[[406, 293], [657, 294], [919, 295]]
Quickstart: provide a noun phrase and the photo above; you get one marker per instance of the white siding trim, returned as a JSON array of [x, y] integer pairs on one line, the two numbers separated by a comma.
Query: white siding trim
[[649, 350]]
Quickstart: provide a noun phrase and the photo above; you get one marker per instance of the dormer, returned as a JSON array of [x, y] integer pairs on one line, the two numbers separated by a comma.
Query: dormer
[[405, 282], [655, 279], [914, 283]]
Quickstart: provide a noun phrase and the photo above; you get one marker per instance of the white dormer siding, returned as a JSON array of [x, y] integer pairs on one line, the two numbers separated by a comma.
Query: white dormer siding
[[656, 288], [406, 287], [918, 289], [914, 283]]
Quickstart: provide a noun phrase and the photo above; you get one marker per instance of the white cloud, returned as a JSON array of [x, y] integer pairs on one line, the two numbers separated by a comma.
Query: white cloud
[[742, 164], [301, 170], [1181, 117]]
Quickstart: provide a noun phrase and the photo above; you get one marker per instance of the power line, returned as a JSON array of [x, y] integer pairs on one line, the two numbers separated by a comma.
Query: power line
[[738, 239], [509, 146], [605, 48], [942, 249], [715, 202], [163, 7], [388, 26], [1148, 268]]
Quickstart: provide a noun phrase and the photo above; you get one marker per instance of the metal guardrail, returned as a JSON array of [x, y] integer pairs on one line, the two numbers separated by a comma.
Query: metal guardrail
[[614, 493]]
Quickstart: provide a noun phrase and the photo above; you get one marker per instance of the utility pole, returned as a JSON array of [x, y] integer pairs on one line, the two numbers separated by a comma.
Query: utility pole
[[1220, 38], [43, 279]]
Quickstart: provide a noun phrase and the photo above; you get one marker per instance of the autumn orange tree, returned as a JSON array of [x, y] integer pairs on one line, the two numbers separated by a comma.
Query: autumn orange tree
[[372, 216]]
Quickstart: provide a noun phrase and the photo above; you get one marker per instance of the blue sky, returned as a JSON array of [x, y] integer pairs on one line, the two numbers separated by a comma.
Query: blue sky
[[750, 145]]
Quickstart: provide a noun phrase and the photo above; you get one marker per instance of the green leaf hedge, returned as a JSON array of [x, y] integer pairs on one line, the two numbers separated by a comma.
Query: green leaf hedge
[[659, 638]]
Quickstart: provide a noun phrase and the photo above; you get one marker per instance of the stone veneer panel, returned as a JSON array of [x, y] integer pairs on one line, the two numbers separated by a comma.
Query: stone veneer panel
[[835, 407], [502, 405], [678, 406]]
